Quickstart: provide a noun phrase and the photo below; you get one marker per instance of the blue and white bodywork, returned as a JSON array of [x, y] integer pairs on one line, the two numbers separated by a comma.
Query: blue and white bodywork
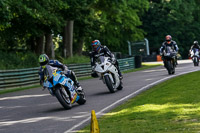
[[61, 86]]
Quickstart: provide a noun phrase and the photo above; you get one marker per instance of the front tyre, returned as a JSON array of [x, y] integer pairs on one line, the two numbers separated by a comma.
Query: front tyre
[[109, 84], [63, 97], [196, 63], [173, 67], [169, 67]]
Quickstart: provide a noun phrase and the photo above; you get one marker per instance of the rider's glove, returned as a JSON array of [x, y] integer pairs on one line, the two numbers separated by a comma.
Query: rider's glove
[[161, 53]]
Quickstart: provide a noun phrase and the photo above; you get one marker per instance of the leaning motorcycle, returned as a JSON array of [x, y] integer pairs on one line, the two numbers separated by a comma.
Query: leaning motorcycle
[[62, 87], [169, 58], [195, 56], [108, 73]]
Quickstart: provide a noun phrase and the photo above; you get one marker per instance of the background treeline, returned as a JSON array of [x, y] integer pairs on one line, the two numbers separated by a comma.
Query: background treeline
[[179, 18], [63, 28]]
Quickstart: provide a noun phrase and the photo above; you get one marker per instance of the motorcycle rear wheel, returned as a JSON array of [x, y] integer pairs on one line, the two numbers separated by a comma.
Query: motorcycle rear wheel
[[82, 99], [109, 84]]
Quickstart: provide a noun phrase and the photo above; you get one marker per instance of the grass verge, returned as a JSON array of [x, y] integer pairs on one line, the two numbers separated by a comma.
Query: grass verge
[[170, 107], [144, 66]]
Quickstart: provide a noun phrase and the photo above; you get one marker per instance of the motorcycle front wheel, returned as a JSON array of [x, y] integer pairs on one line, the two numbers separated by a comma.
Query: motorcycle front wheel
[[170, 67], [109, 84], [63, 97], [195, 60]]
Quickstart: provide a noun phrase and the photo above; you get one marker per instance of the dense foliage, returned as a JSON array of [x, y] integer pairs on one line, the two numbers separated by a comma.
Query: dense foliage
[[34, 25], [179, 18], [112, 22]]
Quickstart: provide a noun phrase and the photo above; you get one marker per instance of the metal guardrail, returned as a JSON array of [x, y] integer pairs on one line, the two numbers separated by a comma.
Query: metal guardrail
[[24, 77]]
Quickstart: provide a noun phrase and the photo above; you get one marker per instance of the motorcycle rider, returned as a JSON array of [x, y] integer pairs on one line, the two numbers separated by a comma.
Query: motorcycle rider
[[44, 60], [194, 46], [169, 42], [98, 48]]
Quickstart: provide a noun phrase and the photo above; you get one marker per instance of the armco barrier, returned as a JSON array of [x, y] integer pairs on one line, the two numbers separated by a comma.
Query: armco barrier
[[24, 77]]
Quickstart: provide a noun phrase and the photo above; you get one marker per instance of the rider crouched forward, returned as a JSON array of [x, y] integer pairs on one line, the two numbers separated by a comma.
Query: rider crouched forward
[[44, 60], [98, 49]]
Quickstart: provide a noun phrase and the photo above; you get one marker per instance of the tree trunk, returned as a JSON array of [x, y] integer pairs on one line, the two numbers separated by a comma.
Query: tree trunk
[[68, 39], [39, 48], [31, 42], [49, 48], [80, 46]]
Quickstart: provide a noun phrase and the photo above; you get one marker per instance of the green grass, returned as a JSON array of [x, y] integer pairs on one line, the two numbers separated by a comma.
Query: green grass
[[144, 66], [170, 107]]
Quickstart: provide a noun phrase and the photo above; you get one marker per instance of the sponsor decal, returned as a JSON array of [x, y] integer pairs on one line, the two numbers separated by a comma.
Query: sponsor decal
[[74, 97]]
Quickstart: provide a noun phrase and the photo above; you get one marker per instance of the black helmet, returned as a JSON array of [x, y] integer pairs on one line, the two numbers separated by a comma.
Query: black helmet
[[196, 42], [43, 59]]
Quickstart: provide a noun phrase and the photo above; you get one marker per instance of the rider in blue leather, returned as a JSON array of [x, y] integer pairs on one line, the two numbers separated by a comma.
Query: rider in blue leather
[[44, 60], [169, 42]]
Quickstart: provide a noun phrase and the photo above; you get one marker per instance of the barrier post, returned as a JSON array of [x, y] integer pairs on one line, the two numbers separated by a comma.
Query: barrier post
[[94, 127]]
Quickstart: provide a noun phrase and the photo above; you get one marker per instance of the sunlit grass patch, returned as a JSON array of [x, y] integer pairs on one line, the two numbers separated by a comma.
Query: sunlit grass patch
[[170, 107]]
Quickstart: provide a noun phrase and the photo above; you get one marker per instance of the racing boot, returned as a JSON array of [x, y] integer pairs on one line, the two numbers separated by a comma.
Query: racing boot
[[76, 83], [79, 89], [119, 72], [120, 75], [176, 62]]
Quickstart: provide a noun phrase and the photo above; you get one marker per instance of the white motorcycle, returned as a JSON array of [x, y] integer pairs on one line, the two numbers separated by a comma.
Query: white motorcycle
[[195, 56], [108, 73]]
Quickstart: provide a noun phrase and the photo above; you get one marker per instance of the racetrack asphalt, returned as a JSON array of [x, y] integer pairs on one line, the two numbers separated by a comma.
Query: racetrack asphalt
[[34, 110]]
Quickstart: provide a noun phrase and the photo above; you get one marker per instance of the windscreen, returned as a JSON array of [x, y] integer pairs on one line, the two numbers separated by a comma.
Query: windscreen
[[101, 59]]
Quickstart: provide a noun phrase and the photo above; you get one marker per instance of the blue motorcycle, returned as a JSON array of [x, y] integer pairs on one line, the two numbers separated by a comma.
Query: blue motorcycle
[[62, 87]]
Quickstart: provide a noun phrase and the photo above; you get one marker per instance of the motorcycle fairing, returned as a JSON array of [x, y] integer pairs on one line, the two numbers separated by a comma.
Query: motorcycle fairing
[[59, 78]]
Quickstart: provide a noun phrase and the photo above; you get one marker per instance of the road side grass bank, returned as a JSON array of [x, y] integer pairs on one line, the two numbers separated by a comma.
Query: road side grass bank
[[144, 66], [170, 107]]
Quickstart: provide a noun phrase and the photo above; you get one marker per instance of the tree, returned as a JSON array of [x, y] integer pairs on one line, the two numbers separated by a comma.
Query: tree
[[178, 18], [121, 22], [31, 20]]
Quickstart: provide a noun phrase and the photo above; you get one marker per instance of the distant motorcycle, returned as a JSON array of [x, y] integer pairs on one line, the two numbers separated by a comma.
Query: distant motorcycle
[[169, 56], [195, 56], [62, 87], [108, 73]]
